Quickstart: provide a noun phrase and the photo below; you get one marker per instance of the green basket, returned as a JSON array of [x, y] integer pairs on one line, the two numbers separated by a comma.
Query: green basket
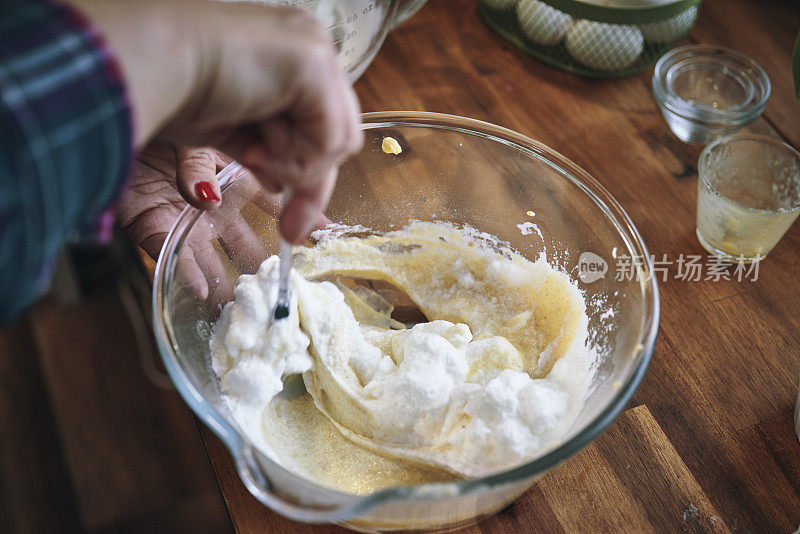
[[589, 39]]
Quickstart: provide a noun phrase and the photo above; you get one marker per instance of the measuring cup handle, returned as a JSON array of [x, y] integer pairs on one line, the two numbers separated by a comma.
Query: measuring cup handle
[[405, 9]]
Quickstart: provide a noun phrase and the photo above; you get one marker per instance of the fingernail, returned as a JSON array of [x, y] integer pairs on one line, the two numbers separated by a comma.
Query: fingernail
[[206, 192]]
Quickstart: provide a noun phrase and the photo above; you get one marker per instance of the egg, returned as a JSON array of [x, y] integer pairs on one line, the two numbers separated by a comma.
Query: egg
[[671, 29], [604, 46], [499, 4], [541, 23]]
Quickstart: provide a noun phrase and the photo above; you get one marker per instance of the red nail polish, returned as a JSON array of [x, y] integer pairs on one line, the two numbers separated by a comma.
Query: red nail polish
[[206, 192]]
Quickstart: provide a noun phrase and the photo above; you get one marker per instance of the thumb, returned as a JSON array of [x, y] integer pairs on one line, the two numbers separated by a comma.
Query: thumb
[[196, 176]]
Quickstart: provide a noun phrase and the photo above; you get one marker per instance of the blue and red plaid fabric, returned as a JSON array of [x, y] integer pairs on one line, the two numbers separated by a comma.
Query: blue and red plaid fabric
[[65, 141]]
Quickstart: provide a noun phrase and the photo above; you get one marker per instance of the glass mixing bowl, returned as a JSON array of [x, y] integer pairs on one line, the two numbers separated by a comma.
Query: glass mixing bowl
[[451, 169]]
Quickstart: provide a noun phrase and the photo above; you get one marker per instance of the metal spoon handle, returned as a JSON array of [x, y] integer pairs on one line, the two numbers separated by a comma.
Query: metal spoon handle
[[285, 256]]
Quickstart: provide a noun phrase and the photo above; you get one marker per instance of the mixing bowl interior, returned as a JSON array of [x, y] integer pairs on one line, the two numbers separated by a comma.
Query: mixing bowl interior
[[450, 169]]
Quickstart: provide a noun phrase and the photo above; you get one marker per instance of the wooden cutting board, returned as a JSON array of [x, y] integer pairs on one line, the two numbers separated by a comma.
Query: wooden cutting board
[[708, 442]]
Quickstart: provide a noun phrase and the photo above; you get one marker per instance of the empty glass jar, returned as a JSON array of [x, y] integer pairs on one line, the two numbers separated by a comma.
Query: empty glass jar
[[706, 92]]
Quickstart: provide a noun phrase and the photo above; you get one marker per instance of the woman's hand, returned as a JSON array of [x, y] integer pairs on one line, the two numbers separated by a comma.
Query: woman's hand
[[154, 200], [256, 82]]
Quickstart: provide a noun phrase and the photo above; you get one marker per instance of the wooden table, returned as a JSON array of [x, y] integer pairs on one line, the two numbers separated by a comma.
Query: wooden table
[[708, 442]]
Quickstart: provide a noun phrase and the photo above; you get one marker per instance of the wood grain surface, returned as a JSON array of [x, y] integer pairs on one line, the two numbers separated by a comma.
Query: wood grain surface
[[88, 442], [708, 442]]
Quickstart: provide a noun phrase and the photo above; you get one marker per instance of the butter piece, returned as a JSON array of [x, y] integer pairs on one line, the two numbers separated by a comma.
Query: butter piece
[[390, 145]]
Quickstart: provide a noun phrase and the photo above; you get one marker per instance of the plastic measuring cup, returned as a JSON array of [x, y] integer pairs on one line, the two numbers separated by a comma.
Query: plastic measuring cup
[[358, 26]]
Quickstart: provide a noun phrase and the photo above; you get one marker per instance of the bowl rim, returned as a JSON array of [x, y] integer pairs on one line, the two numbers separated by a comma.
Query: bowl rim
[[352, 505]]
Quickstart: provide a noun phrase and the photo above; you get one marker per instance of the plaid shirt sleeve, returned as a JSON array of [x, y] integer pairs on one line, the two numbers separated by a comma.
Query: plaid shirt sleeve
[[65, 141]]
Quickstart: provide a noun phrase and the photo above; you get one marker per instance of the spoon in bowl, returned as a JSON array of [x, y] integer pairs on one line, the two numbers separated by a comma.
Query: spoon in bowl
[[293, 385]]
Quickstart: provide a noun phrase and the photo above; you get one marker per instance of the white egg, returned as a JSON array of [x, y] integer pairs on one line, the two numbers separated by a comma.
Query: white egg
[[541, 23], [499, 4], [604, 46], [671, 29]]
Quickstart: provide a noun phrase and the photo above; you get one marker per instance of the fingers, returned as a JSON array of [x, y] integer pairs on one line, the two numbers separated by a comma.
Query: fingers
[[223, 160], [268, 202], [281, 106], [304, 149], [188, 273], [189, 276], [209, 262], [304, 210], [244, 248], [196, 177], [302, 146], [326, 111], [330, 132]]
